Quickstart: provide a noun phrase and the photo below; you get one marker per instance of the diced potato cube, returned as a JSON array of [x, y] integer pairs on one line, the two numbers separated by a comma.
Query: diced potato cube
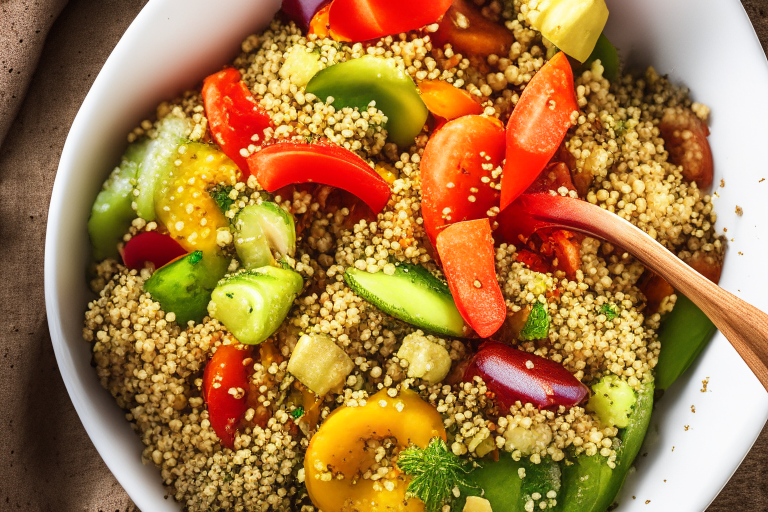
[[300, 66], [477, 504], [319, 363], [427, 360]]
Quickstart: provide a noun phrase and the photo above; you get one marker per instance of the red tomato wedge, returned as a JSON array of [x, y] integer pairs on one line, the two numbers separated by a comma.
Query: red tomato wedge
[[469, 262], [235, 118], [686, 140], [290, 162], [537, 126], [516, 375], [320, 25], [446, 101], [452, 170], [472, 34], [225, 382], [361, 20], [152, 247], [302, 11]]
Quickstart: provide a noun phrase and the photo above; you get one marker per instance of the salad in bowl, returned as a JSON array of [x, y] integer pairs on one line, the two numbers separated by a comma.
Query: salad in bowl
[[316, 290]]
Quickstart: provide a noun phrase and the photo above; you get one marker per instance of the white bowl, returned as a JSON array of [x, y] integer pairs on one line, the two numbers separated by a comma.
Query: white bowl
[[173, 45]]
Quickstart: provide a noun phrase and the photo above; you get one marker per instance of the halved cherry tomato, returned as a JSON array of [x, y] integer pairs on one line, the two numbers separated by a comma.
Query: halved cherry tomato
[[236, 120], [361, 20], [656, 289], [708, 266], [516, 375], [533, 261], [469, 262], [225, 382], [302, 11], [537, 126], [320, 25], [446, 101], [452, 173], [152, 247], [288, 162], [554, 176], [472, 34], [686, 140]]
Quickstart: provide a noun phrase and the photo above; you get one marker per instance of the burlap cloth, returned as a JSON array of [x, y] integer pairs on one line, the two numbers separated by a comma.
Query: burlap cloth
[[47, 462]]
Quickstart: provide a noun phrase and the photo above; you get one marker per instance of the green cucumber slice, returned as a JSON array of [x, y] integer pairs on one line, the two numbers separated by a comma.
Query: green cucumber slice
[[590, 485], [412, 295], [184, 286], [157, 162], [111, 214], [683, 335], [250, 241], [613, 400], [357, 82], [253, 304], [261, 229]]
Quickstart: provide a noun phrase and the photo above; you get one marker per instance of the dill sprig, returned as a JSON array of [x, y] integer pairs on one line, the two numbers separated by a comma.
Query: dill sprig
[[220, 194], [537, 325], [435, 471]]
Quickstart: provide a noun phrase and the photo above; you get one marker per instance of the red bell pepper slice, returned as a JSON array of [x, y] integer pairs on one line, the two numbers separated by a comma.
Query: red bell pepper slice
[[290, 162], [235, 118], [225, 383], [320, 25], [452, 173], [537, 126], [153, 247], [516, 375], [472, 34], [302, 11], [469, 262], [361, 20]]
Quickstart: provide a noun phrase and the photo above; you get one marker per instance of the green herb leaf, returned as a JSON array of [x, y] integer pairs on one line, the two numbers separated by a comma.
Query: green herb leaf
[[609, 310], [221, 196], [537, 325], [297, 412], [435, 471]]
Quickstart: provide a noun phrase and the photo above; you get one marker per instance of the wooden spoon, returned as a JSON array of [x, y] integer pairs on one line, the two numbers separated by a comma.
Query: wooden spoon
[[745, 326]]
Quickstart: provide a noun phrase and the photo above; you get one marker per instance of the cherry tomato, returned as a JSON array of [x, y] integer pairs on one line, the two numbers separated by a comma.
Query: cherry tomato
[[469, 262], [686, 140], [225, 382], [554, 176], [361, 20], [152, 247], [446, 101], [537, 126], [236, 120], [289, 162], [452, 172], [656, 289], [516, 375], [708, 266], [302, 11], [472, 34]]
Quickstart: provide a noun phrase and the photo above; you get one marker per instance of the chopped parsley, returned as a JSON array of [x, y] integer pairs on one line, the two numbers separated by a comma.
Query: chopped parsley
[[537, 325], [609, 310], [297, 412], [435, 471], [221, 196]]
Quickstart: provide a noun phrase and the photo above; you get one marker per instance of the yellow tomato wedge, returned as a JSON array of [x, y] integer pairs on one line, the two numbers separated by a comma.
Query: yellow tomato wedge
[[183, 203], [336, 457]]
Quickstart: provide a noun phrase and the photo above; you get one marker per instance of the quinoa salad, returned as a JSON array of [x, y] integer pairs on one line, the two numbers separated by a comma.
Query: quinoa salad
[[317, 289]]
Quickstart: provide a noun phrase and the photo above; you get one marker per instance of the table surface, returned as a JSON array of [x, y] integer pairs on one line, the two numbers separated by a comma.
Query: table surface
[[48, 461]]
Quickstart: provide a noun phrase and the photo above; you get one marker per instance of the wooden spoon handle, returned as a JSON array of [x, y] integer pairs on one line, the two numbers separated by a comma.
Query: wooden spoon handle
[[745, 326]]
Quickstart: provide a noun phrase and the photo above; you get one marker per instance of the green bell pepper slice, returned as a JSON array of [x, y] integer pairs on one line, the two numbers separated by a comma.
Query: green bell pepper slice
[[357, 82]]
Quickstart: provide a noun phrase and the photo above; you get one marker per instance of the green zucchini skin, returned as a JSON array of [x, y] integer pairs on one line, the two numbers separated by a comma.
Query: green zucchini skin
[[683, 335], [112, 213], [412, 295], [184, 286]]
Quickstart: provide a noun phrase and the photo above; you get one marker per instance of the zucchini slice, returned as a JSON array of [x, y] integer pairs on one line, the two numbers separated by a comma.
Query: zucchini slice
[[253, 304], [412, 295]]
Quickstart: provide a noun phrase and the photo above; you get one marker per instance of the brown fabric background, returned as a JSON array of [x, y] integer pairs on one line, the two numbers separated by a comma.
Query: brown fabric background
[[47, 462]]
